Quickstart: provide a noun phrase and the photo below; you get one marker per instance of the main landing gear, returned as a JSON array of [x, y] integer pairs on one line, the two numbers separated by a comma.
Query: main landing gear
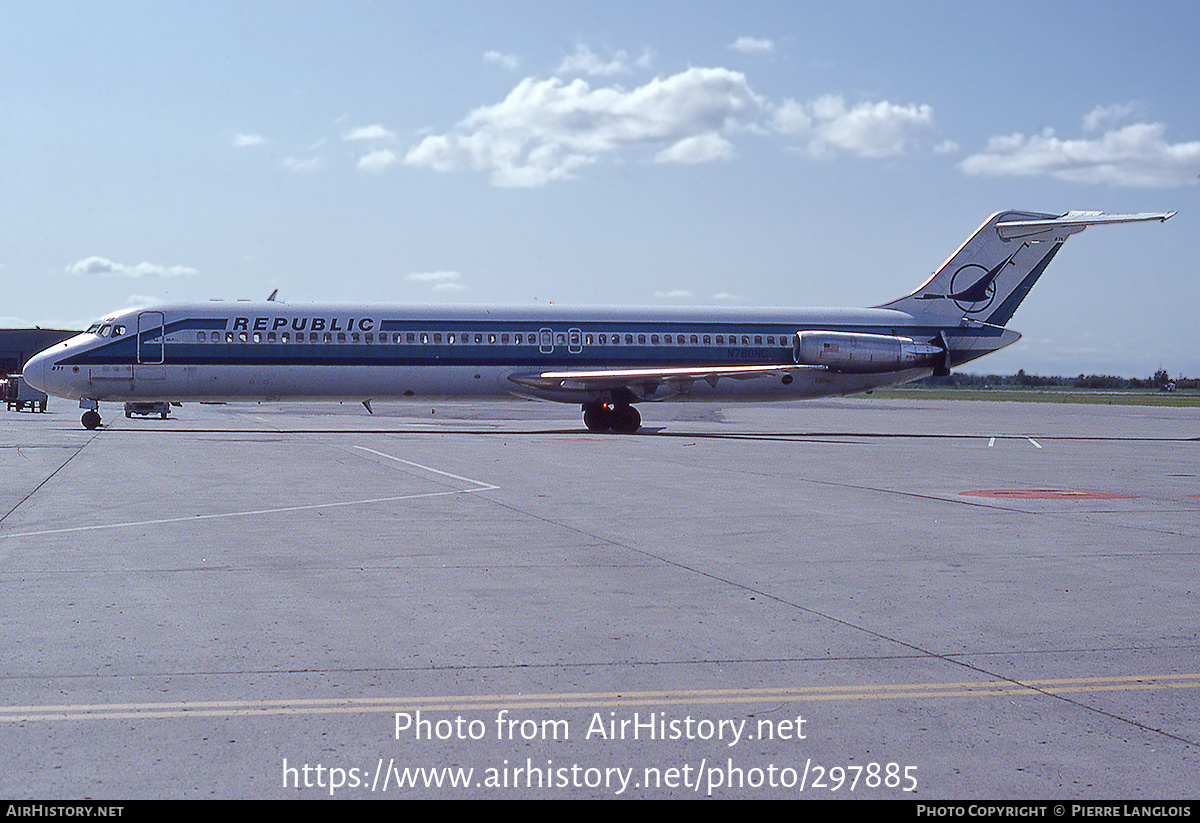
[[91, 419], [619, 417]]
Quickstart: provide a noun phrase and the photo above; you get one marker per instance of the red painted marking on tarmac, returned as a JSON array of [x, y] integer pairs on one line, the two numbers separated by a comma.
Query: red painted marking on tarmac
[[1047, 494]]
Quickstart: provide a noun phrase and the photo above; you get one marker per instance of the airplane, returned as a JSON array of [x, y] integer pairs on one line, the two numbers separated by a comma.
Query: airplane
[[605, 359]]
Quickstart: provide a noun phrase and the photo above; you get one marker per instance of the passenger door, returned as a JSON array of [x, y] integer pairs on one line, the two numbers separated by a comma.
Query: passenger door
[[151, 346]]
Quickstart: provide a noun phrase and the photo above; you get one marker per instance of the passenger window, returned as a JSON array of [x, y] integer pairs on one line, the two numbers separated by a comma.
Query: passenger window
[[437, 338], [745, 340], [654, 339], [758, 339], [450, 338], [517, 339], [478, 339], [284, 337], [629, 340], [504, 339], [271, 338], [341, 337], [424, 338], [411, 338], [201, 336], [354, 337], [707, 340], [258, 337], [242, 337]]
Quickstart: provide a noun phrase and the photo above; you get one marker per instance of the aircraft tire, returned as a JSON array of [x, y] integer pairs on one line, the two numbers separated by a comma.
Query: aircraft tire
[[626, 420], [597, 418], [91, 419]]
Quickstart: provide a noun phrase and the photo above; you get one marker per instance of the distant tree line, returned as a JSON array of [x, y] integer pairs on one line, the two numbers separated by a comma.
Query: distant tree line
[[1156, 382]]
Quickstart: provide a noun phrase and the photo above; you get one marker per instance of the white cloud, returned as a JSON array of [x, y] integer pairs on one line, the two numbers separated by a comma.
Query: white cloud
[[104, 266], [700, 148], [548, 129], [871, 130], [302, 166], [508, 61], [378, 161], [584, 61], [545, 130], [443, 281], [752, 45], [244, 141], [1105, 116], [673, 294], [1134, 155], [139, 301], [372, 132]]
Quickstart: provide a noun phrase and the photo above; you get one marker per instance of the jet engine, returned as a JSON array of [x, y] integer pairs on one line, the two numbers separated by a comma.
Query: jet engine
[[864, 353]]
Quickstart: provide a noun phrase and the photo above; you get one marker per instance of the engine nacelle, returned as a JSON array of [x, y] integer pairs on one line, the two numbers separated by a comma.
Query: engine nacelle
[[864, 353]]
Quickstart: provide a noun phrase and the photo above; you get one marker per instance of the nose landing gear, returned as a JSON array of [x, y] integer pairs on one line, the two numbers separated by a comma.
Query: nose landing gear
[[619, 417]]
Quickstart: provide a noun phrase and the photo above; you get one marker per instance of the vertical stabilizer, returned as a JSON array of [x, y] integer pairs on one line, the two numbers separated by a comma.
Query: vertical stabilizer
[[990, 275]]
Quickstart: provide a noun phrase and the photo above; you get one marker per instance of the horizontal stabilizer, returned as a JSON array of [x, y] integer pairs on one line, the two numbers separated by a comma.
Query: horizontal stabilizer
[[1070, 223]]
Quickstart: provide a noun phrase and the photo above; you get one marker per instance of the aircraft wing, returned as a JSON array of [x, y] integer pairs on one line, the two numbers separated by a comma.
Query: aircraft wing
[[645, 382]]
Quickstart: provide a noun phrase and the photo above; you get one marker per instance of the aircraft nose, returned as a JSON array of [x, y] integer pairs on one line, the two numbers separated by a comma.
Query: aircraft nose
[[35, 371]]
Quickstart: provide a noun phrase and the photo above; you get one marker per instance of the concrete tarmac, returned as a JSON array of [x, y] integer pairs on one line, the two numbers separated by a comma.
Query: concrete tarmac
[[799, 600]]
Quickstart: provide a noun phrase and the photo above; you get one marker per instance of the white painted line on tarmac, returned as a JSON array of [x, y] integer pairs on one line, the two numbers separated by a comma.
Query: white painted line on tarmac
[[251, 513], [479, 484], [484, 486], [1034, 442]]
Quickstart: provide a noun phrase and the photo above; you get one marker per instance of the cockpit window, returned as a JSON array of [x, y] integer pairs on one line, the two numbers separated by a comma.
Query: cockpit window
[[92, 329], [104, 330]]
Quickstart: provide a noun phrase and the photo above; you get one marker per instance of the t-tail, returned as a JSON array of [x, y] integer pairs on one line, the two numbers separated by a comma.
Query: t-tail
[[984, 281]]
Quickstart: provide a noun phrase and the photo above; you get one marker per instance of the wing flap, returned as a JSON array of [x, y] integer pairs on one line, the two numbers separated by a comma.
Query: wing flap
[[642, 381]]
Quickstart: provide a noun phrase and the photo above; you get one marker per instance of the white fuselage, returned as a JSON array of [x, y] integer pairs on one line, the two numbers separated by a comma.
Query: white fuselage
[[271, 351]]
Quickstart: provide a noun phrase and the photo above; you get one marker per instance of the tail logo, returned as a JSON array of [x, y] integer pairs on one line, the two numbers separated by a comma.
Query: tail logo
[[977, 296]]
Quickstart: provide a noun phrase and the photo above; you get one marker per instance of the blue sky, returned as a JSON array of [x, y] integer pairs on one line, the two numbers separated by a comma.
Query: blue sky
[[660, 153]]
